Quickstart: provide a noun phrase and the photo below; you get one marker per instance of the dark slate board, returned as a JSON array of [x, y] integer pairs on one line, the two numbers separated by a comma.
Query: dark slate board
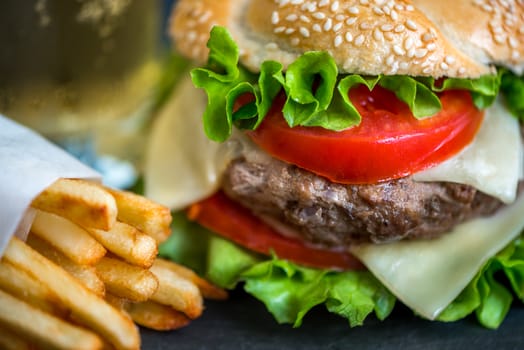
[[243, 323]]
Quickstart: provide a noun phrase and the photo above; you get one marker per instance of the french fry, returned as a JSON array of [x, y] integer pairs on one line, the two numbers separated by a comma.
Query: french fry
[[149, 217], [84, 273], [17, 282], [125, 280], [157, 316], [11, 341], [208, 290], [177, 292], [91, 310], [83, 202], [128, 243], [44, 329], [70, 239]]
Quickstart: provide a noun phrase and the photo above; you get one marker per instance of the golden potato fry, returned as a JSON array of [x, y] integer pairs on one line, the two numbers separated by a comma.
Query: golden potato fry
[[149, 217], [86, 307], [156, 316], [42, 328], [70, 239], [85, 203], [128, 243], [125, 280], [84, 273], [208, 289], [11, 341], [177, 292], [19, 283]]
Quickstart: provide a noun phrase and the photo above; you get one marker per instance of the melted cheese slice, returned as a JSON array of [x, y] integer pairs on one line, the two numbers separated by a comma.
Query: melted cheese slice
[[428, 275], [492, 163], [182, 165]]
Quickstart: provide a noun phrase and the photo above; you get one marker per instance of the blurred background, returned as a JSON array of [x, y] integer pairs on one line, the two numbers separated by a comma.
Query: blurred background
[[89, 75]]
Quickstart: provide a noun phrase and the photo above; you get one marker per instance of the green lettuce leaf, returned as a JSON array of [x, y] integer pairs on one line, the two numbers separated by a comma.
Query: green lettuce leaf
[[316, 94], [289, 291], [512, 87]]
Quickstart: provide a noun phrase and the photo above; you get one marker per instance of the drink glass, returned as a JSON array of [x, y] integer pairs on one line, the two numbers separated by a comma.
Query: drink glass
[[84, 73]]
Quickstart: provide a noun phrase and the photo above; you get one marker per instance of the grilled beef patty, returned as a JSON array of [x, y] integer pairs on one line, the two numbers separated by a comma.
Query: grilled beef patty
[[336, 215]]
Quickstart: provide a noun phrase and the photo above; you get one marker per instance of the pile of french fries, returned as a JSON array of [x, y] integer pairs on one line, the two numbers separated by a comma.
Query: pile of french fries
[[89, 271]]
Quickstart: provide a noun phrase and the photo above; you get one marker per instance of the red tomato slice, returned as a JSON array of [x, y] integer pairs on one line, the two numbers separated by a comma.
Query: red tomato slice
[[389, 142], [227, 218]]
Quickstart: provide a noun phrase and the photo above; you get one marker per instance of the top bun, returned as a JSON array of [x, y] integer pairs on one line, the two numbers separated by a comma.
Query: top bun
[[453, 38]]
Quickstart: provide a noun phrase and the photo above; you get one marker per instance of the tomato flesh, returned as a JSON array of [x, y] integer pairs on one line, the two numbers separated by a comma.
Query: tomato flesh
[[389, 143], [229, 219]]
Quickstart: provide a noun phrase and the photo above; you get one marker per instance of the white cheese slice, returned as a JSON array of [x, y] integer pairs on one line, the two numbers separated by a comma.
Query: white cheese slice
[[182, 165], [428, 275], [492, 163]]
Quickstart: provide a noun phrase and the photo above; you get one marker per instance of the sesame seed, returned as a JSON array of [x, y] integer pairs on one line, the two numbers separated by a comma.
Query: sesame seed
[[390, 60], [191, 35], [513, 43], [295, 41], [351, 20], [411, 52], [377, 34], [378, 11], [444, 66], [404, 65], [399, 28], [427, 36], [353, 10], [399, 7], [426, 70], [421, 52], [323, 3], [328, 24], [431, 47], [319, 15], [359, 40], [304, 32], [462, 70], [275, 18], [290, 31], [386, 27], [317, 28], [291, 17], [398, 50], [386, 9], [500, 38], [340, 17], [411, 25], [335, 6], [337, 27], [410, 8], [296, 2], [394, 15], [205, 17], [338, 40], [449, 59], [364, 2], [279, 29], [305, 19], [348, 37], [365, 26], [408, 43]]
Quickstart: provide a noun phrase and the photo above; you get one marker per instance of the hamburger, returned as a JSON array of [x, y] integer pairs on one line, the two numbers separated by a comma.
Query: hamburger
[[356, 154]]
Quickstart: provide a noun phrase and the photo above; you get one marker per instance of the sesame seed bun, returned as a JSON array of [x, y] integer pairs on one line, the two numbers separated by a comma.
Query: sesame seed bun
[[454, 38]]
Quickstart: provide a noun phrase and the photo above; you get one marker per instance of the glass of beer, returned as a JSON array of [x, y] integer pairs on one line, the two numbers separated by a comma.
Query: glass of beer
[[83, 73]]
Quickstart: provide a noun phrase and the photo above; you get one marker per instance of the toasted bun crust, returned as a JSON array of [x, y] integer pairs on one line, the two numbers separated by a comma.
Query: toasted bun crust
[[454, 38]]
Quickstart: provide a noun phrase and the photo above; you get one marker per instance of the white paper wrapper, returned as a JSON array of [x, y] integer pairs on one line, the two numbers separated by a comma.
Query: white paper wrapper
[[29, 164]]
